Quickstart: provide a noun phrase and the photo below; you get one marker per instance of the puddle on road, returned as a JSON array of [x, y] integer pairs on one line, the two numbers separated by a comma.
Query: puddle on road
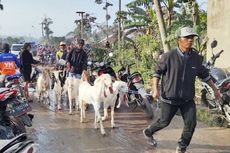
[[58, 132]]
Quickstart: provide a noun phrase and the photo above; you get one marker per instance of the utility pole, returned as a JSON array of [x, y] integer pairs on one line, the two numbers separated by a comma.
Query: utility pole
[[1, 6], [81, 14], [107, 22], [119, 28], [107, 17], [42, 30]]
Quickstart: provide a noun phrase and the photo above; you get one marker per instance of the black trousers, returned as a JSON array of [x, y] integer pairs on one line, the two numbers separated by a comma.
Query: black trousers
[[168, 111]]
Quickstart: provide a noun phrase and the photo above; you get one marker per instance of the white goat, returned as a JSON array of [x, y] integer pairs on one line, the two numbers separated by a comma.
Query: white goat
[[72, 88], [58, 81], [43, 85], [119, 87], [94, 95]]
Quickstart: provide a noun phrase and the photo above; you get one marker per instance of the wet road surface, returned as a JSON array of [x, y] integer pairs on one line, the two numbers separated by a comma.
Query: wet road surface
[[59, 132]]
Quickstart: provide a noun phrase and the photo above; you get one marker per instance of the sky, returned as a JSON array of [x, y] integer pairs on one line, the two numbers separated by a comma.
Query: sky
[[23, 17]]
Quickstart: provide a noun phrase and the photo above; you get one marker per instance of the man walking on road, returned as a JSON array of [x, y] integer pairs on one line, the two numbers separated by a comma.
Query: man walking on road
[[177, 70], [77, 60]]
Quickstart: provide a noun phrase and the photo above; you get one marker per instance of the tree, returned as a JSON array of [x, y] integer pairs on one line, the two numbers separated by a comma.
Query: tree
[[161, 25], [87, 22]]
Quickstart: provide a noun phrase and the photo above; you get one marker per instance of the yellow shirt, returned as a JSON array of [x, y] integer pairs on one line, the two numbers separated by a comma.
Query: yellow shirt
[[59, 54]]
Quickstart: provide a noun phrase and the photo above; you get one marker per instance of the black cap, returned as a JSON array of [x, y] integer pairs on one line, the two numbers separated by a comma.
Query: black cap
[[81, 41]]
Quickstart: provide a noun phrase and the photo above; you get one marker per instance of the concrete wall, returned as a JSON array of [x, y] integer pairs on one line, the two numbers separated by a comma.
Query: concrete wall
[[219, 29]]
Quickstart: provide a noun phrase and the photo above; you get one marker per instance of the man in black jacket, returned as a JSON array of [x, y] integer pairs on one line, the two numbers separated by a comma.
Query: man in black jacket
[[177, 70], [77, 60]]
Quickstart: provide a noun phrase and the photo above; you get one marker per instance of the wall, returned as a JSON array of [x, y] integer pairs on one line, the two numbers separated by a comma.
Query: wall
[[219, 29]]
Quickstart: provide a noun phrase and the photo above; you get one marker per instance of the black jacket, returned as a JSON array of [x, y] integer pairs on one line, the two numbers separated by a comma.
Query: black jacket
[[178, 73], [78, 60], [26, 60]]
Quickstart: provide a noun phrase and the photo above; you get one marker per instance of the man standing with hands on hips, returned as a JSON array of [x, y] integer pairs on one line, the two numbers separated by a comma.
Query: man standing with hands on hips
[[177, 70]]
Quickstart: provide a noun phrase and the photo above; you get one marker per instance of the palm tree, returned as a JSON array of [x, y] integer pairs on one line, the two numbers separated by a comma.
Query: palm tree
[[47, 22]]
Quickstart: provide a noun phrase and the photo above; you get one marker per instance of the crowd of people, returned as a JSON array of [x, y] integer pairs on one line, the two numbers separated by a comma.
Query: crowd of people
[[177, 70]]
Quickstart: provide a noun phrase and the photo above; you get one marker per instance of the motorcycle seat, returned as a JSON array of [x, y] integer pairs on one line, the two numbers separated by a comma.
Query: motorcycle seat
[[12, 77], [2, 90], [5, 93]]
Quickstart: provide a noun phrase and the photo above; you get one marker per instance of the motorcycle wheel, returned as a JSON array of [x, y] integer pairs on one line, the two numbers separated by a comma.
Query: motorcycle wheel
[[17, 125], [218, 120], [208, 100]]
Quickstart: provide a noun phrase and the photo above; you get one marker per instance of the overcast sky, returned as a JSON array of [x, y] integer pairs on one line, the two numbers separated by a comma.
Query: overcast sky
[[23, 17]]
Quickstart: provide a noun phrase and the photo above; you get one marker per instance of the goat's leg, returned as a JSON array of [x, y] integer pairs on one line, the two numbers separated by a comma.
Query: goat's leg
[[112, 117], [95, 121], [83, 107], [70, 102], [58, 98], [77, 103], [119, 101], [81, 114], [39, 97], [70, 106], [100, 121], [105, 113]]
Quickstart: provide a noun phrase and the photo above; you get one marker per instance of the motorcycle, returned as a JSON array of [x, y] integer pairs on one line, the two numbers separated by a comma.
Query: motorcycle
[[13, 81], [105, 67], [19, 144], [13, 114], [51, 58], [222, 81], [137, 95], [101, 68]]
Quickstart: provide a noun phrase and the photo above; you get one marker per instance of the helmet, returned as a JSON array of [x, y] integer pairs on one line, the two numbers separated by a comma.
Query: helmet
[[62, 43], [6, 48], [81, 42]]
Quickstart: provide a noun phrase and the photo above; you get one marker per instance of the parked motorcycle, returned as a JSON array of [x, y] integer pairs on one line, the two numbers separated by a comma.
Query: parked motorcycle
[[137, 94], [103, 67], [19, 144], [222, 81], [13, 114], [13, 81]]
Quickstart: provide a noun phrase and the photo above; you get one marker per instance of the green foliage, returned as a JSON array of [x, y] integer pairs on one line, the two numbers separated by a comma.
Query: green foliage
[[143, 52], [15, 40], [142, 42]]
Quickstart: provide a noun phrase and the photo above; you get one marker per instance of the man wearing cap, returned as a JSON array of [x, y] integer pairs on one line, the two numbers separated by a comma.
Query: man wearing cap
[[77, 60], [62, 50], [177, 70]]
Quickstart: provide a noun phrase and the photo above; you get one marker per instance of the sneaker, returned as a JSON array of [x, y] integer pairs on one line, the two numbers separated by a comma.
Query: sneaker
[[150, 140], [180, 150]]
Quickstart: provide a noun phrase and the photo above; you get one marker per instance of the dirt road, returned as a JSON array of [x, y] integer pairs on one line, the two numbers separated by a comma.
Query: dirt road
[[58, 132]]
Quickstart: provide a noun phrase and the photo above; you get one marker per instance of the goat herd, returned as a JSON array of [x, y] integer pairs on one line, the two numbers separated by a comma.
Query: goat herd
[[82, 93]]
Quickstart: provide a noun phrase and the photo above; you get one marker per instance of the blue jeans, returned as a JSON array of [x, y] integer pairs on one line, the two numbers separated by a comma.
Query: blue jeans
[[76, 75]]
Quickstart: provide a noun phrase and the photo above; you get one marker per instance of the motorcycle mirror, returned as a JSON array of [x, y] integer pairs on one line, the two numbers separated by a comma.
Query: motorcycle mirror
[[97, 64], [213, 44], [62, 62], [102, 64], [110, 54], [89, 63]]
